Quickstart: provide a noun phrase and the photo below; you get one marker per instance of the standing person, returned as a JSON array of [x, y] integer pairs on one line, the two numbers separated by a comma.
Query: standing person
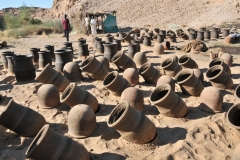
[[87, 23], [66, 26], [93, 24]]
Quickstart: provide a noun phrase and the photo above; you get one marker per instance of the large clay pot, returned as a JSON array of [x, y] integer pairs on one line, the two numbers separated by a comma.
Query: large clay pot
[[200, 35], [4, 59], [233, 118], [149, 73], [207, 34], [211, 100], [150, 34], [51, 76], [10, 64], [132, 49], [165, 79], [215, 34], [100, 47], [121, 35], [147, 41], [163, 32], [160, 38], [103, 60], [23, 68], [140, 58], [158, 49], [34, 53], [62, 57], [237, 91], [48, 96], [170, 67], [83, 50], [122, 61], [82, 41], [51, 49], [219, 78], [96, 40], [44, 58], [192, 36], [118, 42], [115, 83], [219, 61], [138, 44], [189, 83], [132, 76], [225, 32], [22, 120], [72, 72], [68, 44], [166, 45], [81, 121], [236, 155], [199, 74], [133, 126], [51, 145], [168, 102], [227, 58], [187, 62], [94, 68], [74, 95], [110, 49], [127, 38], [109, 39]]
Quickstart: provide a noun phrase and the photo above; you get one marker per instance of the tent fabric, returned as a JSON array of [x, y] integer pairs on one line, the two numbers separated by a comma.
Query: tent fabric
[[110, 24]]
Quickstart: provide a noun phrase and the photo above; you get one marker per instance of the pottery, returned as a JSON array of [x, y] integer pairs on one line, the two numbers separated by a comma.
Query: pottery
[[133, 126], [149, 73], [132, 49], [199, 74], [233, 118], [132, 76], [237, 92], [82, 41], [202, 29], [51, 49], [207, 34], [34, 53], [219, 61], [49, 144], [44, 58], [200, 35], [147, 41], [122, 61], [192, 36], [83, 50], [121, 35], [62, 58], [72, 72], [127, 38], [110, 49], [163, 32], [22, 120], [160, 38], [165, 79], [215, 34], [170, 67], [140, 58], [187, 62], [166, 45], [227, 58], [74, 95], [4, 59], [225, 32], [10, 64], [68, 44], [81, 121], [109, 39], [96, 40], [119, 45], [158, 49], [138, 44], [100, 47], [103, 60], [168, 102]]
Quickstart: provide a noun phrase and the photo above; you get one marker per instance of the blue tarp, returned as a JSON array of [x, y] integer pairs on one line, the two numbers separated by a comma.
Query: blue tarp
[[110, 24]]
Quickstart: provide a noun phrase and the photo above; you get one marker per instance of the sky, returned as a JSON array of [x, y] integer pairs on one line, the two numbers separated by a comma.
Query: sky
[[30, 3]]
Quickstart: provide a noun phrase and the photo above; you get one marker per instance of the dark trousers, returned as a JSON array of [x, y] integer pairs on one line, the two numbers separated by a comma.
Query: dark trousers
[[66, 32]]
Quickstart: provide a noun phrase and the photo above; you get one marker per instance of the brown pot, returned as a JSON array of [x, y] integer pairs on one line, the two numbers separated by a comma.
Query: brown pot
[[166, 45], [74, 95], [132, 76], [127, 38], [115, 83], [198, 73], [103, 60], [219, 61], [165, 79], [158, 49], [187, 62], [72, 72], [168, 102], [133, 126], [227, 58], [170, 67], [233, 115], [189, 83], [140, 58], [237, 92], [149, 73], [132, 49], [122, 61]]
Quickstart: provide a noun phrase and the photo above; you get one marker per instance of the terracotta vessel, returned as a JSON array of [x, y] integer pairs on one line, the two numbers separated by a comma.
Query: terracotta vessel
[[211, 100], [168, 102], [103, 60], [121, 35], [119, 45], [202, 29], [22, 120], [200, 35], [51, 76], [122, 61], [51, 49], [127, 38], [138, 44], [82, 41], [34, 53], [81, 121], [227, 58], [74, 95], [68, 44], [187, 62], [160, 38], [207, 34], [49, 144], [166, 45], [149, 73], [215, 34], [83, 50], [140, 58], [163, 32], [170, 67], [72, 72], [225, 32], [233, 115], [100, 47], [132, 49], [4, 59], [132, 76], [115, 83], [62, 58], [10, 64], [133, 126], [219, 61], [110, 49], [198, 73], [96, 40], [147, 41], [165, 79], [237, 92], [44, 58], [109, 39], [158, 49], [48, 96], [192, 36], [236, 155]]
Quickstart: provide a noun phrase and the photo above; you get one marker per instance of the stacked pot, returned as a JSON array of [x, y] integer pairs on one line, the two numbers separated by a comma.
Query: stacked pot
[[83, 48]]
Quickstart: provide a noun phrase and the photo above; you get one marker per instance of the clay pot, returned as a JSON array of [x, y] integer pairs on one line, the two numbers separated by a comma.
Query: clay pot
[[83, 50], [96, 40], [121, 35], [147, 41], [82, 41], [4, 59], [72, 72], [132, 49], [175, 58], [165, 79], [49, 144], [228, 59], [163, 32], [44, 58], [74, 95], [22, 120], [200, 35], [132, 76], [81, 121], [48, 96], [219, 78], [160, 38], [233, 115], [170, 67], [158, 49], [115, 83], [219, 61], [149, 73], [237, 91], [140, 58], [168, 102], [119, 45], [94, 68], [34, 53], [127, 38], [166, 45], [150, 34], [68, 44], [67, 48], [138, 44], [133, 126], [110, 49], [10, 64], [100, 47], [187, 62], [211, 100], [192, 36], [207, 34], [103, 60], [23, 68], [189, 83], [109, 39], [225, 32], [122, 61], [62, 58], [236, 152], [51, 76], [202, 29], [198, 73], [51, 49], [215, 34]]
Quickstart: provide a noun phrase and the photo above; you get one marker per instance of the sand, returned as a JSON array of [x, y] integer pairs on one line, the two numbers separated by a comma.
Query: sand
[[198, 136]]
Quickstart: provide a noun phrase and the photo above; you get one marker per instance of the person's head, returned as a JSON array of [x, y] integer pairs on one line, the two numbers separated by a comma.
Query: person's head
[[65, 16]]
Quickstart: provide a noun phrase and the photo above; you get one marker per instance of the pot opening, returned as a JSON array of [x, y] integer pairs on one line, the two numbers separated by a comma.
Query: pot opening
[[214, 73], [182, 77], [116, 56], [183, 59], [159, 93], [67, 91], [144, 67], [109, 78], [234, 116], [87, 61], [166, 62], [215, 62], [117, 113]]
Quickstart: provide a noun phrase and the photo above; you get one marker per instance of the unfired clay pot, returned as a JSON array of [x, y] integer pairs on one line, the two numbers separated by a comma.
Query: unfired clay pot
[[132, 49], [198, 73], [72, 72], [211, 100], [170, 67], [81, 121], [207, 34], [166, 45], [219, 61], [83, 50], [187, 62], [103, 60], [133, 126], [110, 49], [132, 76], [149, 73], [62, 58], [10, 64], [158, 49], [165, 79], [34, 53], [233, 118], [147, 41], [228, 59], [168, 102], [127, 38], [237, 91], [122, 61], [140, 58], [51, 49], [44, 58]]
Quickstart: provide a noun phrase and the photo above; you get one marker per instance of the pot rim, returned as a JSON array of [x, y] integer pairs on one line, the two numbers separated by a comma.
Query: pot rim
[[214, 68], [124, 104], [216, 60], [37, 140], [62, 51], [91, 58], [114, 73], [171, 58], [120, 55], [67, 42], [231, 124], [235, 92], [6, 108], [163, 98], [48, 46], [184, 56], [7, 52], [185, 70], [145, 64], [68, 89]]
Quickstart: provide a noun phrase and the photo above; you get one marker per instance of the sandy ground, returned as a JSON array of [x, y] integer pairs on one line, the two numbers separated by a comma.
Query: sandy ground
[[198, 136]]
